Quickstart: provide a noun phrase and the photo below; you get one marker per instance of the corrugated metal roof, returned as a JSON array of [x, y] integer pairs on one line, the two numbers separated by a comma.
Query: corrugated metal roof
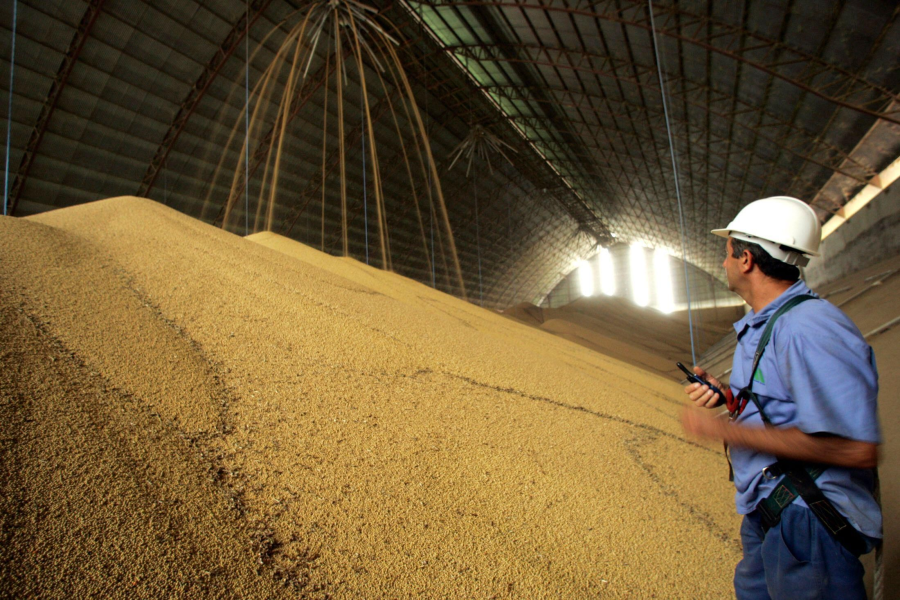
[[790, 97]]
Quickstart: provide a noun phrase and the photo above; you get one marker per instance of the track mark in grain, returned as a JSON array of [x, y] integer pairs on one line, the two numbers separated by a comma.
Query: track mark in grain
[[644, 435], [583, 409], [633, 446], [291, 570]]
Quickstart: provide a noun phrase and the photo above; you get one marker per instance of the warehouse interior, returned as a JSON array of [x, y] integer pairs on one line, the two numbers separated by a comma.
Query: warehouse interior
[[340, 299]]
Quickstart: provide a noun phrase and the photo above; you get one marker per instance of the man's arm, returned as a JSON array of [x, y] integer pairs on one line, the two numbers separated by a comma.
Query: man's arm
[[788, 443]]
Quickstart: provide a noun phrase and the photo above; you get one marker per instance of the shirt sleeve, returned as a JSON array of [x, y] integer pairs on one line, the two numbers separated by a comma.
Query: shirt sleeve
[[829, 371]]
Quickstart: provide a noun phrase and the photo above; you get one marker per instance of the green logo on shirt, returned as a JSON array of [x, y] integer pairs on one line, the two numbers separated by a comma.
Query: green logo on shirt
[[759, 376]]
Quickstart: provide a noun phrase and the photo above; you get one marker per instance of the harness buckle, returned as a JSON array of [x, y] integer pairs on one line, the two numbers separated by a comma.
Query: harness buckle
[[768, 474]]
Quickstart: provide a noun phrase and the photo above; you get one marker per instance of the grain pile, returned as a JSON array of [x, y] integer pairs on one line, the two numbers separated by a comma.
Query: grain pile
[[185, 413], [620, 329]]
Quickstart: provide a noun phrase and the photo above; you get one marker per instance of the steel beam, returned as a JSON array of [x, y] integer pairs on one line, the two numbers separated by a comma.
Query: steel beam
[[195, 95], [573, 203], [581, 101], [82, 33], [840, 87], [542, 56]]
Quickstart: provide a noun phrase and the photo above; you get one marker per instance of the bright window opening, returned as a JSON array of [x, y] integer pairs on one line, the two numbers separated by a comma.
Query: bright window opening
[[639, 286], [665, 299], [607, 275], [586, 278]]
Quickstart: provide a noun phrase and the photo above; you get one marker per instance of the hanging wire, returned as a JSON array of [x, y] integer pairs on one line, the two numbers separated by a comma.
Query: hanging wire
[[509, 217], [430, 198], [478, 242], [433, 267], [662, 91], [12, 68], [247, 125], [698, 319], [365, 194], [428, 177], [433, 258]]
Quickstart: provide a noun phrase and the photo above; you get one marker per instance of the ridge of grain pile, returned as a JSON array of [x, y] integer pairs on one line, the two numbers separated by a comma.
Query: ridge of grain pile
[[186, 412], [526, 312]]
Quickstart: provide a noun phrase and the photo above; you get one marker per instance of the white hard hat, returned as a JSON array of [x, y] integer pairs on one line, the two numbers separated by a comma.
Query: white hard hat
[[787, 228]]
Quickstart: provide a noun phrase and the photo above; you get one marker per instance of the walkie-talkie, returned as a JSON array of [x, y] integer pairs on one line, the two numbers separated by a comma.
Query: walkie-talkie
[[694, 378]]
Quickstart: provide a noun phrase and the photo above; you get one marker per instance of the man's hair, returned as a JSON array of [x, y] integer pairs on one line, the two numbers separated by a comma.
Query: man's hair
[[770, 267]]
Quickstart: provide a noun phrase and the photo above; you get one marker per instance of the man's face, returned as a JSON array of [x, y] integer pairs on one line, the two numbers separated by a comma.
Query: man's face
[[731, 266]]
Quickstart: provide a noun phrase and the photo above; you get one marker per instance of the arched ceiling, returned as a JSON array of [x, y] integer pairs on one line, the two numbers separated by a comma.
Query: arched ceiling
[[798, 97]]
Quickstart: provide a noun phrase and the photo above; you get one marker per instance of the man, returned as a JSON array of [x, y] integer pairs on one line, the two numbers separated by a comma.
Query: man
[[807, 416]]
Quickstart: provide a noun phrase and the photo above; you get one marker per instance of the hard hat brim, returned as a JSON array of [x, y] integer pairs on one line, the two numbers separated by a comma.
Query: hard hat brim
[[726, 233]]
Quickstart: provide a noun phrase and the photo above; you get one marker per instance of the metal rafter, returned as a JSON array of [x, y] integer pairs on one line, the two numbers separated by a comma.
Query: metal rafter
[[82, 33], [788, 136], [584, 101], [791, 65], [833, 19], [886, 26], [681, 89], [767, 92], [195, 95], [530, 78], [697, 166], [639, 71], [573, 202]]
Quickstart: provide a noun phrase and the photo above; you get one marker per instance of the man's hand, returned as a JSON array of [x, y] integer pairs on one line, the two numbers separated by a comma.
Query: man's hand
[[702, 395]]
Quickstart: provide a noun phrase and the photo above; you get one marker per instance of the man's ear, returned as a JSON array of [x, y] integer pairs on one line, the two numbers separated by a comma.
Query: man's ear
[[746, 261]]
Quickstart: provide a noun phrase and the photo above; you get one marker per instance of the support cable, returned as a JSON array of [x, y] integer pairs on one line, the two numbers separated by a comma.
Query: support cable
[[247, 125], [509, 217], [365, 193], [662, 90], [12, 69], [433, 273], [478, 243], [428, 141]]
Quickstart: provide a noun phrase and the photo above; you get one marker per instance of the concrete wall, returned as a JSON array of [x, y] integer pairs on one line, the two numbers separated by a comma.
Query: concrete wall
[[870, 236]]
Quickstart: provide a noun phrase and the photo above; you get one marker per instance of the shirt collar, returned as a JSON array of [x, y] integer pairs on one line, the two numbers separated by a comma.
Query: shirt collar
[[752, 319]]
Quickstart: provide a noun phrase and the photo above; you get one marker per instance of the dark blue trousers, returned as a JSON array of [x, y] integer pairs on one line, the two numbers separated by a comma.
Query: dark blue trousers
[[798, 559]]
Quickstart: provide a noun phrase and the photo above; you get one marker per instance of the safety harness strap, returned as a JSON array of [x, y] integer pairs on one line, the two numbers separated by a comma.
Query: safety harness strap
[[783, 495], [799, 479], [747, 392], [739, 403]]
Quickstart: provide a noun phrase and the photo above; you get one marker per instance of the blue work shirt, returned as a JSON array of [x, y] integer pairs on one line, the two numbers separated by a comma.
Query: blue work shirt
[[817, 374]]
